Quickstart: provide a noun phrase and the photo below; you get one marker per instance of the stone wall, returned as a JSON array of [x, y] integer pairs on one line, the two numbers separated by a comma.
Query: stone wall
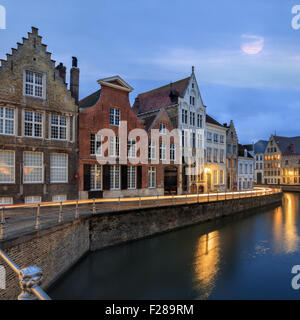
[[56, 249]]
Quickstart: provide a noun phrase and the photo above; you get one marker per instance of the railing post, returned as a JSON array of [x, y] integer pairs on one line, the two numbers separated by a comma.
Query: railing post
[[37, 220], [94, 206], [2, 225], [77, 210], [60, 216]]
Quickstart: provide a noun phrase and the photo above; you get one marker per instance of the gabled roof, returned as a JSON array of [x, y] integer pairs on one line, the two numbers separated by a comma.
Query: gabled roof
[[287, 145], [211, 120], [241, 151], [90, 100], [160, 97]]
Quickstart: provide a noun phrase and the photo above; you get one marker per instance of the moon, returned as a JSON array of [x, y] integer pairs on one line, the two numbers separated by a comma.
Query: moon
[[252, 44]]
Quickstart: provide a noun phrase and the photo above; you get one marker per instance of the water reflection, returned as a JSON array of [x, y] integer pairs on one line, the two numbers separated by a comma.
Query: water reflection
[[206, 266], [285, 233]]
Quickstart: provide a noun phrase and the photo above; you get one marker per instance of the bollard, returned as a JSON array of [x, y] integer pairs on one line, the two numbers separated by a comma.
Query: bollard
[[2, 225], [37, 220], [60, 216], [94, 206], [77, 210]]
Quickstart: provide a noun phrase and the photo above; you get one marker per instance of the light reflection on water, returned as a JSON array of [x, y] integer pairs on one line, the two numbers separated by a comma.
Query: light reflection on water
[[241, 257]]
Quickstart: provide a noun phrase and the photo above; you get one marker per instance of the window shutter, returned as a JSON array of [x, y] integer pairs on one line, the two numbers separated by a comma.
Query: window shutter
[[87, 177], [123, 177], [139, 177], [106, 177]]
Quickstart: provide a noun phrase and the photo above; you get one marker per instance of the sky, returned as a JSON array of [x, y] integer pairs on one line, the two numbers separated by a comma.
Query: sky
[[245, 52]]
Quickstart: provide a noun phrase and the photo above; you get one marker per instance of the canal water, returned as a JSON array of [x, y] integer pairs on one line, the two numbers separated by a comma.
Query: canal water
[[249, 256]]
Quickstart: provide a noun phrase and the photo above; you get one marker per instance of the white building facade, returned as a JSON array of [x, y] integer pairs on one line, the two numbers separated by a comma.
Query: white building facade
[[215, 169], [245, 171]]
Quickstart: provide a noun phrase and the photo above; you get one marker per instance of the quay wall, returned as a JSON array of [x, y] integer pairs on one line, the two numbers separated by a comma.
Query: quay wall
[[58, 248]]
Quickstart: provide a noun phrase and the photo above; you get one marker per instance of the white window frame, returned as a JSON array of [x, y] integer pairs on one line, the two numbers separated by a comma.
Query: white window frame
[[131, 177], [152, 150], [6, 119], [93, 183], [34, 199], [34, 167], [172, 152], [114, 169], [152, 177], [11, 167], [59, 167], [131, 148], [6, 201], [114, 149], [114, 117], [34, 123], [59, 127], [34, 85], [162, 128], [59, 198], [162, 151], [97, 144]]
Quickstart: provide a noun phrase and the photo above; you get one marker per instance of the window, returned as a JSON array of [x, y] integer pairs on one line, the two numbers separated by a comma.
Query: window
[[95, 178], [221, 176], [193, 142], [114, 118], [184, 116], [152, 177], [58, 127], [199, 140], [192, 118], [209, 136], [216, 139], [162, 151], [7, 116], [229, 148], [131, 176], [59, 197], [152, 150], [199, 120], [215, 177], [162, 128], [33, 167], [215, 155], [208, 154], [240, 168], [221, 156], [221, 139], [33, 199], [33, 124], [95, 144], [6, 200], [234, 149], [7, 166], [58, 168], [114, 146], [115, 177], [131, 148], [33, 84], [172, 152], [192, 100]]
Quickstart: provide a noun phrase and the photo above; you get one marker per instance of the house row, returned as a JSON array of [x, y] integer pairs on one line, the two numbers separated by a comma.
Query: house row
[[55, 146]]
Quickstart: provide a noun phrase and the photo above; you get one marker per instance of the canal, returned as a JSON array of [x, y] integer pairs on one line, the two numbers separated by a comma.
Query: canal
[[249, 256]]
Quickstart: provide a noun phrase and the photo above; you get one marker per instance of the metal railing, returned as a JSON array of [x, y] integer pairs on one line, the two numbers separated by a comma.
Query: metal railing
[[30, 279], [19, 219]]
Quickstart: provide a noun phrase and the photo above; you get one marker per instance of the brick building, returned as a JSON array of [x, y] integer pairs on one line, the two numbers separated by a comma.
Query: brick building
[[231, 156], [107, 110], [164, 151], [183, 103], [38, 119]]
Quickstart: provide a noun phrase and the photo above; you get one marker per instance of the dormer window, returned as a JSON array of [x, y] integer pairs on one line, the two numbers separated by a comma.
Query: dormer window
[[162, 128], [33, 84], [114, 118], [192, 100]]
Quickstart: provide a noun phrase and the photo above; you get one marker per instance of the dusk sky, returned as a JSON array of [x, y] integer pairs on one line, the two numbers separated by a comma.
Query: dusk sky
[[245, 52]]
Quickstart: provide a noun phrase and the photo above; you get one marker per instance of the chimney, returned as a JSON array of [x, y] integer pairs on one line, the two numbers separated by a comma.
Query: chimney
[[62, 71], [74, 80]]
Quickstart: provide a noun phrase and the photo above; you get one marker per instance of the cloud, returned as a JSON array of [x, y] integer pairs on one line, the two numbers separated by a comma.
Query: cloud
[[253, 45]]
